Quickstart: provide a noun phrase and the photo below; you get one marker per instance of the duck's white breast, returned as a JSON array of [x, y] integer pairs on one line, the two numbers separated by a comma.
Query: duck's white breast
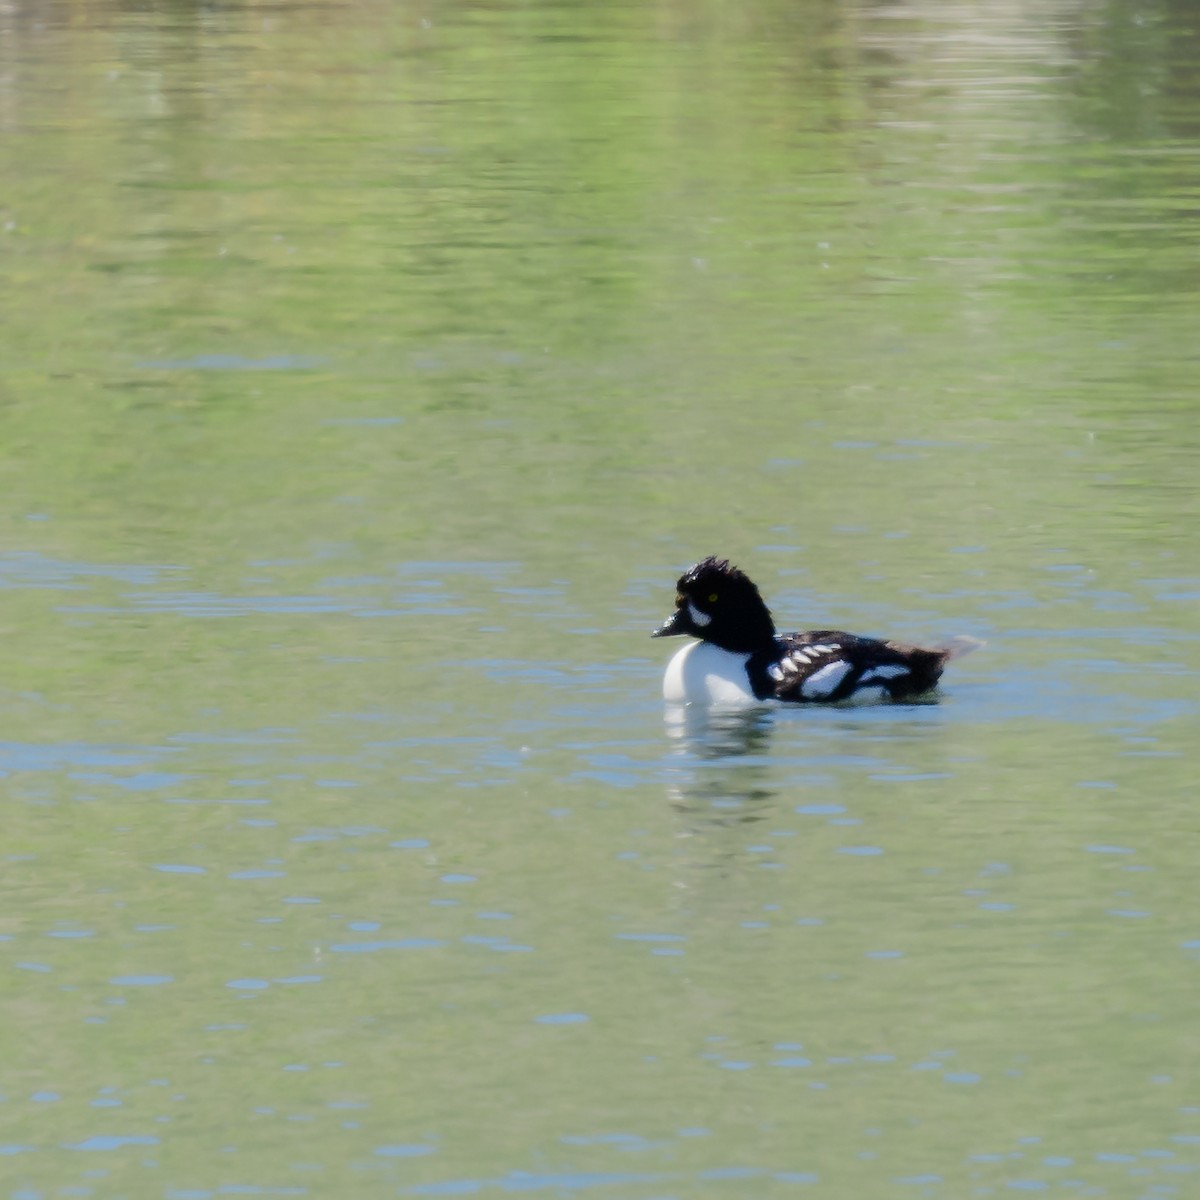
[[701, 673]]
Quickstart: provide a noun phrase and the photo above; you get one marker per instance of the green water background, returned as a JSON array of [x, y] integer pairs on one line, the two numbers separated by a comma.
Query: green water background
[[369, 372]]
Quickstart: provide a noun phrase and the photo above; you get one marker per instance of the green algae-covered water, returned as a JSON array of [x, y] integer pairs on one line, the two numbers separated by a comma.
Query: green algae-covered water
[[369, 374]]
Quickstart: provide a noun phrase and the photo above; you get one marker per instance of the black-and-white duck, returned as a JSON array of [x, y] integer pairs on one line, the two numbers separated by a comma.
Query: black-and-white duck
[[740, 660]]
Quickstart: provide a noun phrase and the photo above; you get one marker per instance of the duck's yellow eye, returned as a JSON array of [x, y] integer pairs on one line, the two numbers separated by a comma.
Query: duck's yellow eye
[[713, 598]]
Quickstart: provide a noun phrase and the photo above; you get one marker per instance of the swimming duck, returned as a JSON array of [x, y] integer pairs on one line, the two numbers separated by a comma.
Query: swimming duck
[[740, 660]]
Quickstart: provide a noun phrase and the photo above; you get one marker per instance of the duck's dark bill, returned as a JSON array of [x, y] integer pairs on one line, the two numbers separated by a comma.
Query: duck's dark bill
[[671, 626]]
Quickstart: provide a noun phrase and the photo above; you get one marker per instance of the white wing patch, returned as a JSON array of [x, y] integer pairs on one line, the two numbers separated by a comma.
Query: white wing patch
[[802, 656], [825, 681], [885, 671]]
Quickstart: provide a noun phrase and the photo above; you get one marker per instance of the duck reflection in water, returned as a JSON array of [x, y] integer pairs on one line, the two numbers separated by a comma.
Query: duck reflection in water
[[719, 766]]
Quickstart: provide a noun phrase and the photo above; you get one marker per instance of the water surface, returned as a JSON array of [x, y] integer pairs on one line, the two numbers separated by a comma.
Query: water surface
[[370, 375]]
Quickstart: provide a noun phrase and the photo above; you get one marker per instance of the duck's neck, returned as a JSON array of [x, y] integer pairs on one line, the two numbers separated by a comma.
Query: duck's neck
[[754, 634]]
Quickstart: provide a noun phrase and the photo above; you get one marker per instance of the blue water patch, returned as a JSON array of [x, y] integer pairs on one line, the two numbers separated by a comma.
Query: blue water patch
[[414, 1150], [392, 944], [17, 757], [528, 1181], [569, 1018], [650, 937], [144, 781], [243, 801], [624, 1140], [257, 737], [820, 810], [29, 569], [233, 362], [249, 985], [112, 1142], [141, 980], [209, 604], [180, 869], [451, 1187]]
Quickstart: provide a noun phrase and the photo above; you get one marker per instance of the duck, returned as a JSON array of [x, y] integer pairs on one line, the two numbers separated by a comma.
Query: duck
[[739, 660]]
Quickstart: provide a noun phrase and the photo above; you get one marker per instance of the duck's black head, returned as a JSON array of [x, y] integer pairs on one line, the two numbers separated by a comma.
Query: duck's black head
[[718, 604]]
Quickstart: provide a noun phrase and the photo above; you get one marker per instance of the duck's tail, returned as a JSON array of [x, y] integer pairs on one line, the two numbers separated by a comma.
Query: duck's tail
[[959, 645]]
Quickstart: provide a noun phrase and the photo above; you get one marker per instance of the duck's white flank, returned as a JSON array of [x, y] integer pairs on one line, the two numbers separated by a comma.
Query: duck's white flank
[[701, 673]]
